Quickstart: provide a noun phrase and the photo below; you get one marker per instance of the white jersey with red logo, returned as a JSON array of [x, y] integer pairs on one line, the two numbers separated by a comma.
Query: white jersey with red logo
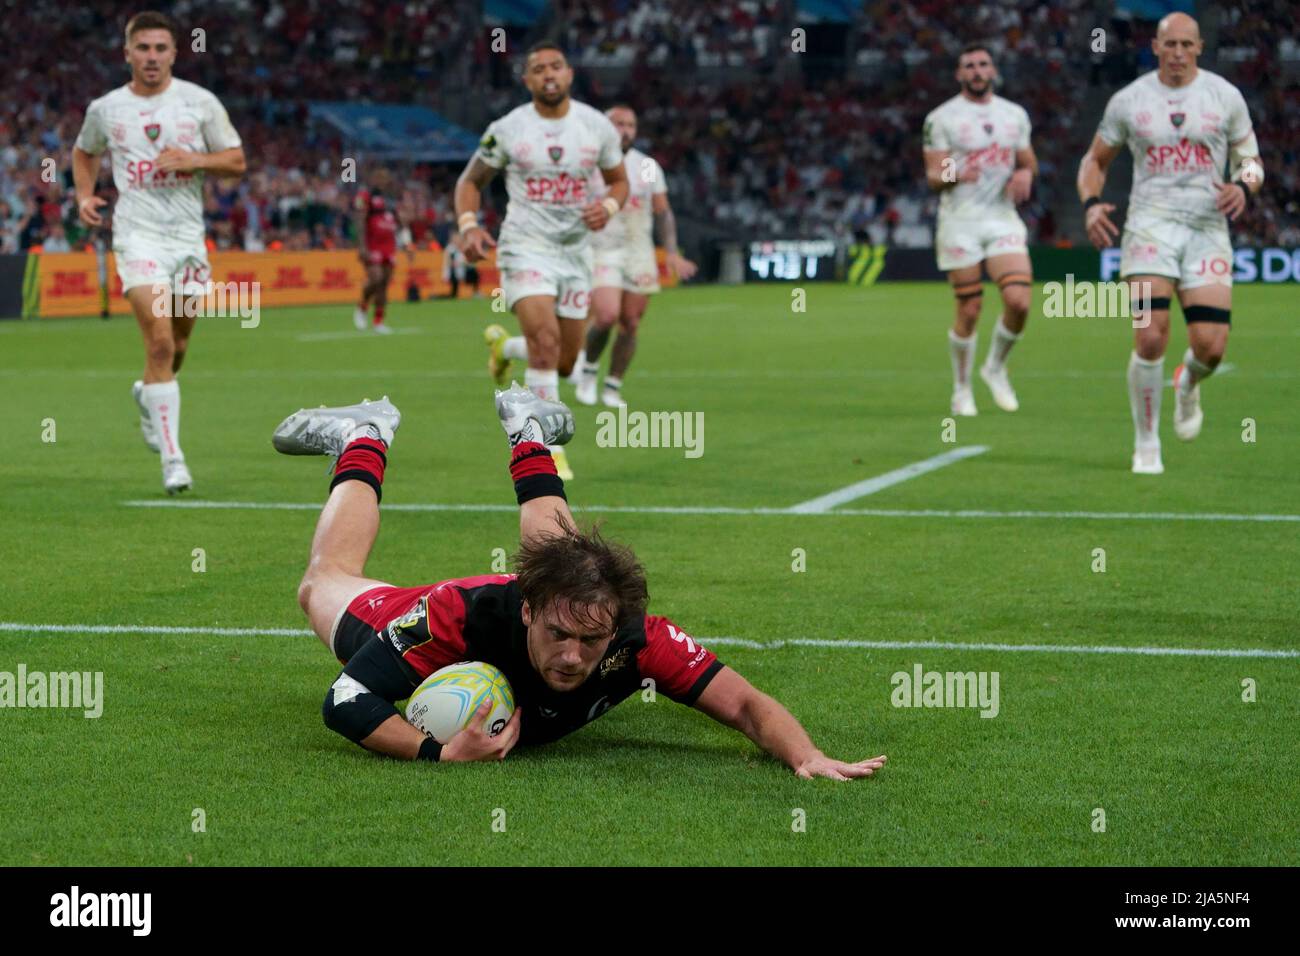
[[633, 225], [549, 164], [135, 129], [1179, 138], [983, 136]]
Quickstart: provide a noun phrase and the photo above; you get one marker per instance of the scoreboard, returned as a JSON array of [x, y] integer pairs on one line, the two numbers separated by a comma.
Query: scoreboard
[[789, 260]]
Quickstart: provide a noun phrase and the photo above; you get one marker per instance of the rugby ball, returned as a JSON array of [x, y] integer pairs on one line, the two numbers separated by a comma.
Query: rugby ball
[[443, 704]]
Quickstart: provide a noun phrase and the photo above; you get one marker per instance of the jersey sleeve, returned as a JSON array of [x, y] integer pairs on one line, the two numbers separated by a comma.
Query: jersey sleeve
[[611, 147], [93, 137], [1113, 128], [660, 185], [218, 132], [1238, 126], [431, 634], [1022, 136], [492, 148], [933, 134], [680, 667]]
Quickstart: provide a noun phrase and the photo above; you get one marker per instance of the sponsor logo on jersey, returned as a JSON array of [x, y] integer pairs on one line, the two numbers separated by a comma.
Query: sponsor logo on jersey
[[1186, 156], [616, 661], [561, 190]]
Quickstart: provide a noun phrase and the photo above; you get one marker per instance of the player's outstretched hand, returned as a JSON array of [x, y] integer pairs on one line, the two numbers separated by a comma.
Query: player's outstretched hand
[[473, 742], [476, 243], [86, 209], [1231, 201], [824, 766], [1100, 229], [173, 159]]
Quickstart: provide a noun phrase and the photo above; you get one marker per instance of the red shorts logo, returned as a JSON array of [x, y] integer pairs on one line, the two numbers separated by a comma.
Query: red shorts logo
[[575, 298]]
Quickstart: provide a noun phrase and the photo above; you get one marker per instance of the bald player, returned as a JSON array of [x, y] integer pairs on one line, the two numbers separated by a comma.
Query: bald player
[[1183, 125], [550, 148]]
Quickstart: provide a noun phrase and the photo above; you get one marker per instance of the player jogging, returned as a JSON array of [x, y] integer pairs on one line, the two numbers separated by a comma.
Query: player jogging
[[163, 134], [626, 271], [377, 226], [569, 631], [978, 157], [550, 148], [1183, 125]]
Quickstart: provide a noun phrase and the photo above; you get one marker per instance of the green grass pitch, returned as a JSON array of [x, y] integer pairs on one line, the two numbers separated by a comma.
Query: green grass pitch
[[796, 405]]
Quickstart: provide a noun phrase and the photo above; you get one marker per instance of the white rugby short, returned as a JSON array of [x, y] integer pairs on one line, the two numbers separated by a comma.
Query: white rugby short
[[560, 271], [960, 243], [630, 268], [156, 260], [1192, 255]]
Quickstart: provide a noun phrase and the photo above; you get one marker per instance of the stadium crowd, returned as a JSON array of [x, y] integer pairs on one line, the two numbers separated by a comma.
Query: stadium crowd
[[753, 147]]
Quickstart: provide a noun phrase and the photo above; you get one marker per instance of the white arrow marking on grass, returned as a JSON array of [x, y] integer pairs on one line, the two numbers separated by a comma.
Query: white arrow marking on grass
[[871, 485], [827, 644]]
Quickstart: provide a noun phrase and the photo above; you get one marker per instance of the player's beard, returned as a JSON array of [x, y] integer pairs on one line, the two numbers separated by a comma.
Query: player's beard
[[551, 99], [969, 86]]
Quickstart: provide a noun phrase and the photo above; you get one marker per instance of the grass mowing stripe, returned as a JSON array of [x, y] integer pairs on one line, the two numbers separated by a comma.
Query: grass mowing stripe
[[717, 641]]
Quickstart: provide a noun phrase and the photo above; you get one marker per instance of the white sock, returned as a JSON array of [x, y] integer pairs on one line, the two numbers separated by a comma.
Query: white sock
[[579, 367], [613, 382], [963, 355], [163, 399], [1193, 370], [516, 347], [1146, 381], [1003, 339], [545, 383]]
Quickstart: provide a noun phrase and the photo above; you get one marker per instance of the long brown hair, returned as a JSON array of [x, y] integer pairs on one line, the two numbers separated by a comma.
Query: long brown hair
[[585, 570]]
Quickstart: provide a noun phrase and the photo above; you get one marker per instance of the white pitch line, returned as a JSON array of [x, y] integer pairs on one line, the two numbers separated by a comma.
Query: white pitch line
[[354, 334], [746, 643], [870, 486], [719, 510]]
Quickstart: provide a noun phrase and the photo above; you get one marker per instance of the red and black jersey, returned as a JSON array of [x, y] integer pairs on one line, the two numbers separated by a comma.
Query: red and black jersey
[[480, 619], [381, 221]]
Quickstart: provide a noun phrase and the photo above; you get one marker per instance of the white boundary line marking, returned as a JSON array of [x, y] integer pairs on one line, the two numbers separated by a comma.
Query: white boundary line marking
[[354, 334], [718, 510], [18, 627], [870, 486]]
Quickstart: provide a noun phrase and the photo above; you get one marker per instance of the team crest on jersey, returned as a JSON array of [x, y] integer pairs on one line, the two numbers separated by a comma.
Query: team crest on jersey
[[152, 130], [988, 128], [555, 153], [1177, 119]]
